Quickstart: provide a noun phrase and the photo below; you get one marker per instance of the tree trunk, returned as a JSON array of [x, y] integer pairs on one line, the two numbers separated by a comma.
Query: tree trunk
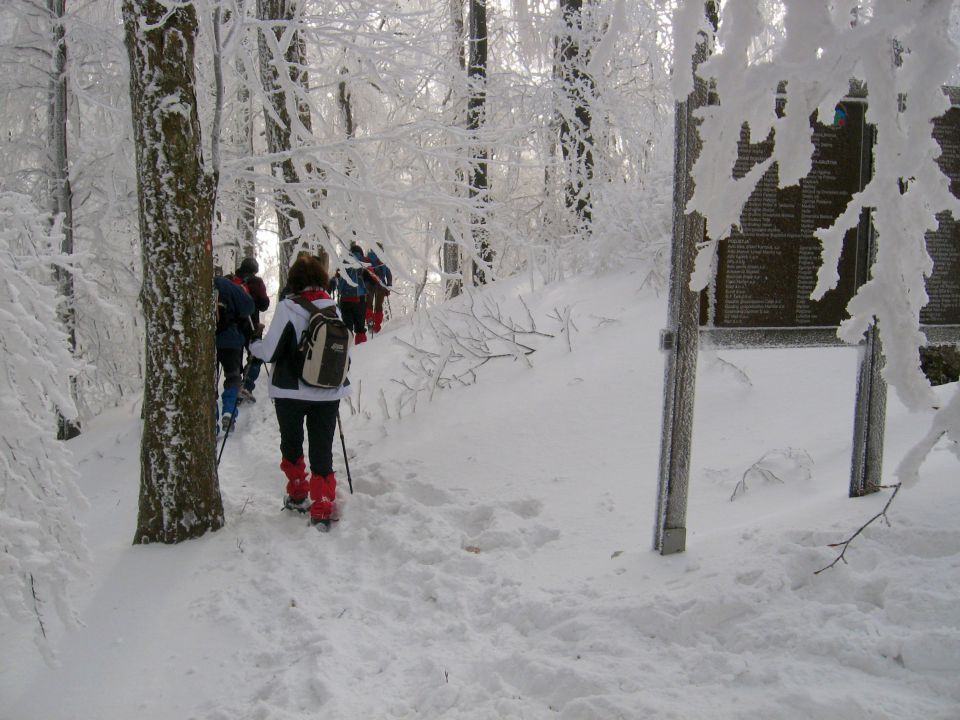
[[576, 137], [179, 491], [450, 258], [276, 74], [61, 194], [247, 220], [476, 107], [345, 103], [218, 97]]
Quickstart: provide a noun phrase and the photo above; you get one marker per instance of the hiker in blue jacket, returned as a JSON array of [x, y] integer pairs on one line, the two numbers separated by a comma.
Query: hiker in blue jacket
[[352, 294], [235, 306]]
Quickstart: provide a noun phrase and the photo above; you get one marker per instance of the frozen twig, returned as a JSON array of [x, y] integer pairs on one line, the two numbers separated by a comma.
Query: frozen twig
[[740, 374], [601, 321], [414, 348], [36, 606], [565, 319], [742, 485], [799, 458], [383, 405], [439, 372], [472, 336], [845, 545], [526, 307], [349, 400]]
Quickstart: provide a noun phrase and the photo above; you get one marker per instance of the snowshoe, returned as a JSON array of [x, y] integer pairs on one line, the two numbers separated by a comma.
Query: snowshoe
[[301, 506], [321, 524]]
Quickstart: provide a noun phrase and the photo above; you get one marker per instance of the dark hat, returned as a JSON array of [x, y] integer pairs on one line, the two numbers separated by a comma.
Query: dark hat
[[248, 266]]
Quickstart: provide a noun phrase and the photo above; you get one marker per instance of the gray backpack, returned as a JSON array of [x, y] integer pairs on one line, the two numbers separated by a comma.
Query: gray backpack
[[323, 351]]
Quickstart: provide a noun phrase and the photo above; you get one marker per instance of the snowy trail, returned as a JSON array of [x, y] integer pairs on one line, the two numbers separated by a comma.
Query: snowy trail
[[494, 560], [407, 570], [419, 604]]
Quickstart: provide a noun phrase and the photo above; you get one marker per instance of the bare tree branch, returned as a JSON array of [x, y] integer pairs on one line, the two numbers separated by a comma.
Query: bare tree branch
[[846, 543]]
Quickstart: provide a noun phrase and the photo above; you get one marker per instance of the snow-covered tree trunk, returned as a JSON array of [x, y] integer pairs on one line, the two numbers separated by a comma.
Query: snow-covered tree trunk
[[61, 195], [179, 491], [576, 136], [283, 73], [476, 111]]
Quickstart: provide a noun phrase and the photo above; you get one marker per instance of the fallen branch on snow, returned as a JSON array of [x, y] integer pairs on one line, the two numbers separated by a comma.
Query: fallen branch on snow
[[846, 543]]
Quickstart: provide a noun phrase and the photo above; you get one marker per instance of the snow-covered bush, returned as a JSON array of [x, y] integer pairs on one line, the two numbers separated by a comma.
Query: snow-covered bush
[[41, 543]]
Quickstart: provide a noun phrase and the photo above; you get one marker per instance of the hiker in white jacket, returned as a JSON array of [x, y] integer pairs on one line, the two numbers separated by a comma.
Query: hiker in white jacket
[[297, 402]]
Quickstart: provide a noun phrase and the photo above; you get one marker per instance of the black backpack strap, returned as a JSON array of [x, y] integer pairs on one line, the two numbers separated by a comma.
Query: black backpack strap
[[328, 312], [305, 304]]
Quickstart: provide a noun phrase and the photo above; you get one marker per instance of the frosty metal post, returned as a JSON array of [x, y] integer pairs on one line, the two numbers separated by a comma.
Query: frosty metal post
[[869, 419], [680, 340]]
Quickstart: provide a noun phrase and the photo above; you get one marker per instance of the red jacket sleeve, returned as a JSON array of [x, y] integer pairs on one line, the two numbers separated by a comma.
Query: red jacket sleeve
[[258, 291]]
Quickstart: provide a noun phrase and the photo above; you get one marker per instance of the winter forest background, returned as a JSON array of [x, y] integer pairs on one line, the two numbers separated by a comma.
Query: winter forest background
[[477, 141]]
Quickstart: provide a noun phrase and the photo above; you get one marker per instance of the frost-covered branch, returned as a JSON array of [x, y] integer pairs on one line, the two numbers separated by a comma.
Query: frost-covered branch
[[449, 347], [777, 466], [845, 544]]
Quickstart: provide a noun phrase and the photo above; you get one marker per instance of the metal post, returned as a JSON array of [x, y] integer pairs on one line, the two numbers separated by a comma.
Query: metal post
[[680, 340], [681, 344], [869, 420], [870, 410]]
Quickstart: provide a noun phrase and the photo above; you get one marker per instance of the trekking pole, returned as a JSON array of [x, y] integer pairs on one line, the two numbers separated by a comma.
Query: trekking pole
[[344, 444], [233, 415], [263, 363], [225, 436]]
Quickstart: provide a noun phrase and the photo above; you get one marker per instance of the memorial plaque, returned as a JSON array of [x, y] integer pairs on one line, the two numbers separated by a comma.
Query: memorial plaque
[[943, 244], [768, 267]]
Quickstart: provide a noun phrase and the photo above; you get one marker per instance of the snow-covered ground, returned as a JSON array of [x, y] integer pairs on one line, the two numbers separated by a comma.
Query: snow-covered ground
[[495, 561]]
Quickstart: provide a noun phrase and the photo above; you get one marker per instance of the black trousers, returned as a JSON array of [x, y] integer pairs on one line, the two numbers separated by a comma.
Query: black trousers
[[353, 314], [375, 296], [231, 360], [321, 418]]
